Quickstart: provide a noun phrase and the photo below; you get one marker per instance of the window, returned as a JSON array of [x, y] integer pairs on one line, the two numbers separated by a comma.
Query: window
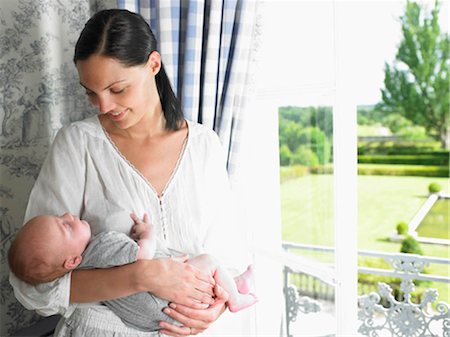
[[319, 63], [299, 88]]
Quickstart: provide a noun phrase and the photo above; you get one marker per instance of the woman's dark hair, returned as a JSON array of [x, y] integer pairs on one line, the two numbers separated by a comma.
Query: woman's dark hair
[[127, 37]]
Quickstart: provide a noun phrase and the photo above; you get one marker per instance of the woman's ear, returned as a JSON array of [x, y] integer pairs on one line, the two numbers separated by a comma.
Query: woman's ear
[[154, 62], [72, 262]]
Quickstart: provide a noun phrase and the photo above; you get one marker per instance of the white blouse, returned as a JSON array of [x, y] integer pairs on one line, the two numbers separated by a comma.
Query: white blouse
[[85, 174]]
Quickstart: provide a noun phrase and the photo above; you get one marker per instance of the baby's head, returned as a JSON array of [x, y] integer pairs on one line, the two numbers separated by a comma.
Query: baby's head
[[47, 247]]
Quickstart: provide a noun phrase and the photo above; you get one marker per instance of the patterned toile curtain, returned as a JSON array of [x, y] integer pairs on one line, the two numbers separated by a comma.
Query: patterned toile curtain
[[207, 48], [39, 92]]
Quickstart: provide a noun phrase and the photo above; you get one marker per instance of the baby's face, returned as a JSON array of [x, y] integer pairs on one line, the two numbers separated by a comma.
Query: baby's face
[[73, 233]]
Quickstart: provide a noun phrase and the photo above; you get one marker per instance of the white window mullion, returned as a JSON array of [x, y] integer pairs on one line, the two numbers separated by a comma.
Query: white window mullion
[[345, 218], [345, 179]]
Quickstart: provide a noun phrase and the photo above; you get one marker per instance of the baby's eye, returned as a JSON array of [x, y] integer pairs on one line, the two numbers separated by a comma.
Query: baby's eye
[[90, 93]]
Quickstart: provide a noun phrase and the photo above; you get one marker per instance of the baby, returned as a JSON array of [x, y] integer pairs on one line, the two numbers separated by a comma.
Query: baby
[[47, 247]]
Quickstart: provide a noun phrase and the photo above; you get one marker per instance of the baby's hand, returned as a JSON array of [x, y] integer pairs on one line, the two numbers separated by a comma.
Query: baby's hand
[[141, 228], [142, 233]]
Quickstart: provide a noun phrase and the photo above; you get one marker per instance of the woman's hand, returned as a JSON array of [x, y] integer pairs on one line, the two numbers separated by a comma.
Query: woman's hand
[[176, 281], [194, 321]]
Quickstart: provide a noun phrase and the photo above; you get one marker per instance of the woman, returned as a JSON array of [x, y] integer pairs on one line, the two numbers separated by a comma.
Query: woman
[[138, 155]]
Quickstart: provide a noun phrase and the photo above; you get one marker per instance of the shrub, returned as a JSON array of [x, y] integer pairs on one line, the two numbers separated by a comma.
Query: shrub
[[402, 228], [304, 156], [411, 246], [292, 172], [434, 188]]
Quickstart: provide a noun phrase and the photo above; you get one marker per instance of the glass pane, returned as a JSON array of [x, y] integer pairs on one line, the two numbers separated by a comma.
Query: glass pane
[[402, 159], [297, 62]]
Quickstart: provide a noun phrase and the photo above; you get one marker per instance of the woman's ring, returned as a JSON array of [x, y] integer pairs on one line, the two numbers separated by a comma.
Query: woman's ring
[[190, 331]]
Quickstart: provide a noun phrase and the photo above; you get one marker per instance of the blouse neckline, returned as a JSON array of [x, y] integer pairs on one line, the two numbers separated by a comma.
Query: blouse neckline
[[139, 173]]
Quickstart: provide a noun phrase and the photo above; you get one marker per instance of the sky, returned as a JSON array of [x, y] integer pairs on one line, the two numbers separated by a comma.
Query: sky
[[297, 63]]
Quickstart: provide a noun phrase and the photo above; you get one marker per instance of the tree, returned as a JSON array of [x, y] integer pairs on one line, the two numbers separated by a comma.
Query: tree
[[317, 141], [321, 117], [285, 155], [417, 84], [291, 135]]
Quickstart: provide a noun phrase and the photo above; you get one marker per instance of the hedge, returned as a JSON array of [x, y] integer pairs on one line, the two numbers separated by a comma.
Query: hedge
[[322, 169], [295, 171], [403, 170], [398, 147], [390, 170], [419, 159]]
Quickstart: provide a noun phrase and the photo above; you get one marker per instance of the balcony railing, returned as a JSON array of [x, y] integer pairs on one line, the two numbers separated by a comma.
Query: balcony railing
[[380, 313]]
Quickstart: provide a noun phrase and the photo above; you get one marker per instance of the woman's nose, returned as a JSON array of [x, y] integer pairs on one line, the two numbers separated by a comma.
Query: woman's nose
[[105, 105]]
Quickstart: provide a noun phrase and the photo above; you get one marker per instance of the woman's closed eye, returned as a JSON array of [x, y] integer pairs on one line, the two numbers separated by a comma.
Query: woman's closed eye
[[117, 91], [114, 91]]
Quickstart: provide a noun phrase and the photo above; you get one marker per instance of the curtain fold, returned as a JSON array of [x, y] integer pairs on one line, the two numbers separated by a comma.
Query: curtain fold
[[206, 49]]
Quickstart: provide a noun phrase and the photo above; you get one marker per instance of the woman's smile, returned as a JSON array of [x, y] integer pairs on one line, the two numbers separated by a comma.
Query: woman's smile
[[117, 116]]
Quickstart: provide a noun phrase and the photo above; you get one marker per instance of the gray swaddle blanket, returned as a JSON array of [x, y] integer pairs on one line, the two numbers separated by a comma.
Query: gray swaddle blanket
[[142, 311]]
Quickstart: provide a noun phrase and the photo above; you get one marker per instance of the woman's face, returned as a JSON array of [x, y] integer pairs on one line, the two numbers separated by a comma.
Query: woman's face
[[123, 94]]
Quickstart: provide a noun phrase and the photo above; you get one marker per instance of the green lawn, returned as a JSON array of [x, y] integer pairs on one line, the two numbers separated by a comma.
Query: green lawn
[[436, 223], [383, 201]]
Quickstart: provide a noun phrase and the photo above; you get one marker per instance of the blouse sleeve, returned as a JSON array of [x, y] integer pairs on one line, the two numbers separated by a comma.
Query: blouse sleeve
[[225, 237], [47, 299], [58, 189], [60, 184]]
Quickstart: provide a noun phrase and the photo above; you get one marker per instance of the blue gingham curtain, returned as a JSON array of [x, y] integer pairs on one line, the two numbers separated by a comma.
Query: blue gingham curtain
[[205, 47]]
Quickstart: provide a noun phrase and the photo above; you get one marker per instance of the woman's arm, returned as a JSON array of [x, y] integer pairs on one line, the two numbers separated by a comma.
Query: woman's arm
[[170, 278]]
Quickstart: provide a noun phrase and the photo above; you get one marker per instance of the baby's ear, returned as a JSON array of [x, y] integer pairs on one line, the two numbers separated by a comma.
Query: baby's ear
[[72, 262]]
